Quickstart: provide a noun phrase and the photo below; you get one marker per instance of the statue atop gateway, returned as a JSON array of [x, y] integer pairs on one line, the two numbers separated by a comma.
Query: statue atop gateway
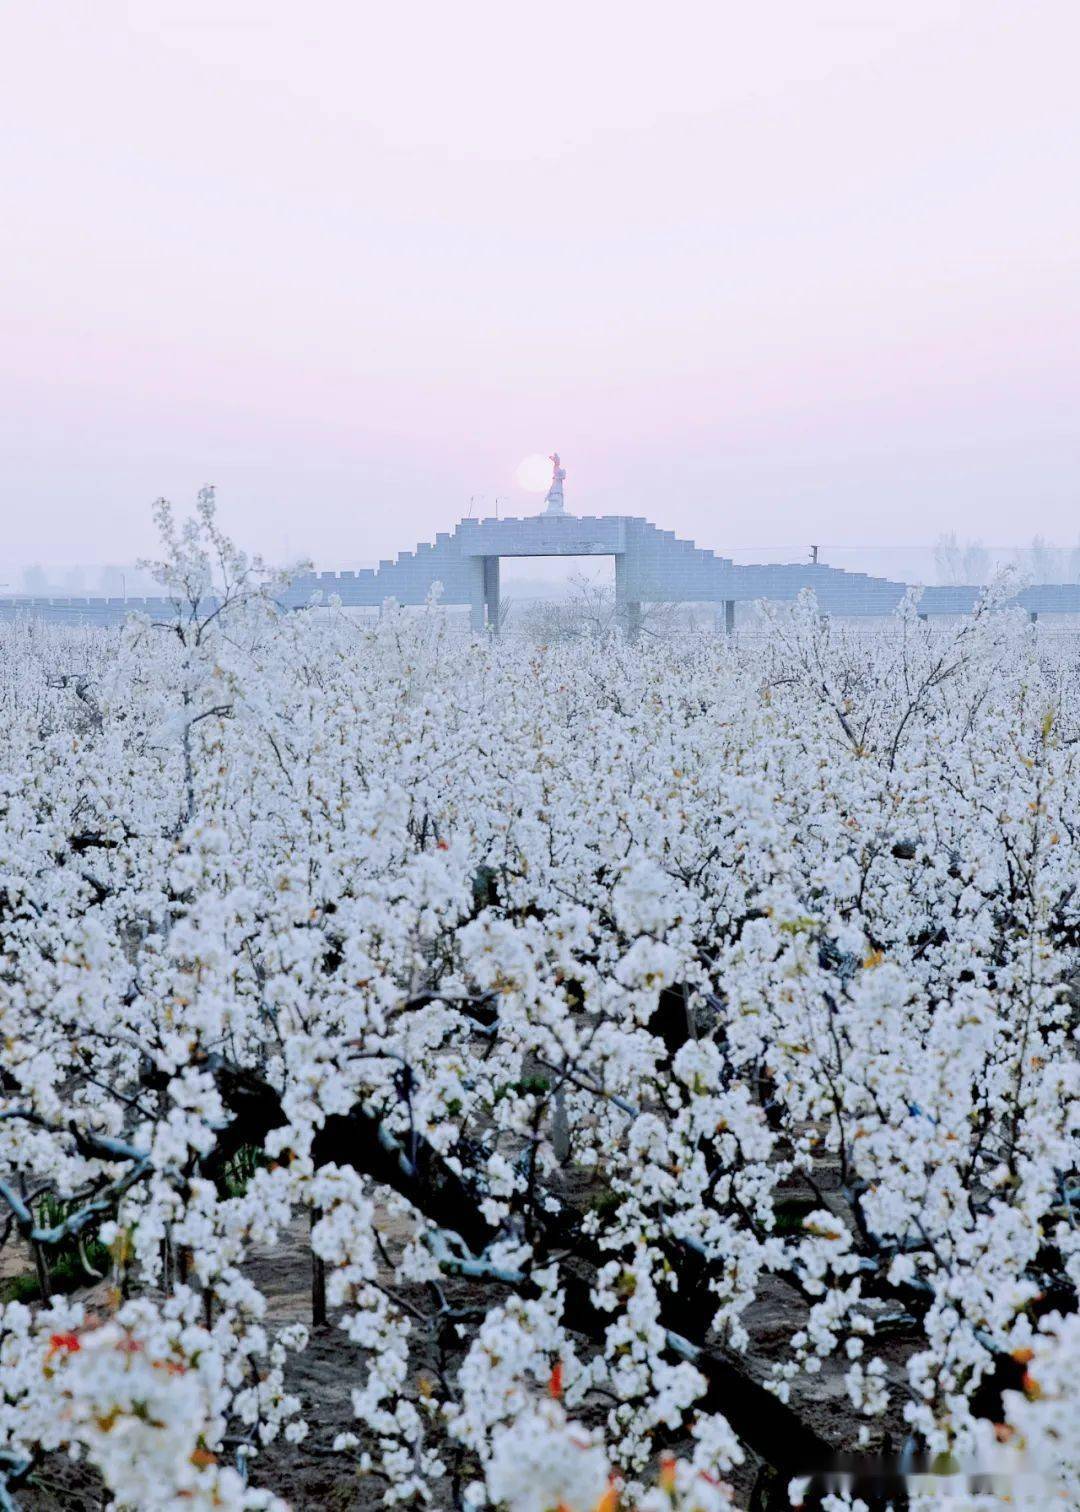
[[554, 496]]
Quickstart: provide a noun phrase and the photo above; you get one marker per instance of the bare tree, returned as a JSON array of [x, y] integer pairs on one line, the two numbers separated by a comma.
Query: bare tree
[[591, 612]]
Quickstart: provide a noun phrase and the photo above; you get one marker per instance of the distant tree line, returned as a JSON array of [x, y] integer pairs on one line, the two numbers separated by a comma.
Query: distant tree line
[[973, 562], [110, 581]]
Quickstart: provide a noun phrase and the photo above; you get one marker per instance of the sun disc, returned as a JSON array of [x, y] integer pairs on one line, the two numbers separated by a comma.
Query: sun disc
[[534, 473]]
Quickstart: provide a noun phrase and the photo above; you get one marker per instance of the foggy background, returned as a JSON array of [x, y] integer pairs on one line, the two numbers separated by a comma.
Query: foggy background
[[770, 276]]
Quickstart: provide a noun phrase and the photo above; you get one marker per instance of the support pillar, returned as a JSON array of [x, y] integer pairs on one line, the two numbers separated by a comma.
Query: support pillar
[[627, 609], [729, 617], [476, 593], [491, 592]]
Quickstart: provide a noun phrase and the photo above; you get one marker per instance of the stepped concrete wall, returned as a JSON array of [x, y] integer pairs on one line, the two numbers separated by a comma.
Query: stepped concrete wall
[[651, 565], [84, 611]]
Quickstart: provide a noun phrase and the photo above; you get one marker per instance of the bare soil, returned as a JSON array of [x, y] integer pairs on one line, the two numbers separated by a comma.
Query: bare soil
[[312, 1478]]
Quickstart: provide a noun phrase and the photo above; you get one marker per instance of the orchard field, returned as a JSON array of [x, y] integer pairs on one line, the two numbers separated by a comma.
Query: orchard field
[[585, 1076]]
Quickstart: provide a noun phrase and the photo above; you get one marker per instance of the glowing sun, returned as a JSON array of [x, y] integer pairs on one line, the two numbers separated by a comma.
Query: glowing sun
[[534, 473]]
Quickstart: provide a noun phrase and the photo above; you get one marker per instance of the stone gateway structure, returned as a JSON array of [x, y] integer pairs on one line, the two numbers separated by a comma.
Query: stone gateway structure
[[651, 566]]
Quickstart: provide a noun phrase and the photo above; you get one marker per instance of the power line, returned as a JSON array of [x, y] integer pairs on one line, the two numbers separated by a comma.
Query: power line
[[903, 546]]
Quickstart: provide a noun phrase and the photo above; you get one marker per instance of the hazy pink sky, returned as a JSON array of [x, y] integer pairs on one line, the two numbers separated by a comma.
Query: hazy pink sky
[[764, 272]]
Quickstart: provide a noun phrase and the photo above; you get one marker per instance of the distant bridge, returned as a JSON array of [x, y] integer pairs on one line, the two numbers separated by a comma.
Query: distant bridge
[[651, 566]]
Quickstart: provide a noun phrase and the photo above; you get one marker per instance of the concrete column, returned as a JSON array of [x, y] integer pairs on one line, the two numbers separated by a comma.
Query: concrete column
[[627, 610], [476, 593], [729, 617], [491, 592]]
